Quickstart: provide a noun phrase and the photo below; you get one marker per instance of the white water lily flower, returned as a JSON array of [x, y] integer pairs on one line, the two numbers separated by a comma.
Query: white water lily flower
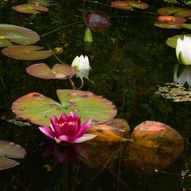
[[183, 50], [82, 65]]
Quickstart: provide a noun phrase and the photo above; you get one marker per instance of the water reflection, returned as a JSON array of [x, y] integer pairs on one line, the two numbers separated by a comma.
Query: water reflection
[[182, 75], [64, 154]]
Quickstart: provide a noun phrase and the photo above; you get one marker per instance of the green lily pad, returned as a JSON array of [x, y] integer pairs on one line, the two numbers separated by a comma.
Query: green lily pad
[[20, 35], [26, 52], [129, 5], [30, 8], [172, 41], [176, 11], [187, 26], [38, 109], [10, 150], [58, 71]]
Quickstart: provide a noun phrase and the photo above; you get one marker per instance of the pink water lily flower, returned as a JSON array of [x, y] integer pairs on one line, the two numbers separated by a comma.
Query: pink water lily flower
[[68, 129]]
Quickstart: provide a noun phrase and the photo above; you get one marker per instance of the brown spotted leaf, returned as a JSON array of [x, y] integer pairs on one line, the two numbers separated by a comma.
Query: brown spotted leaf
[[26, 52], [58, 71]]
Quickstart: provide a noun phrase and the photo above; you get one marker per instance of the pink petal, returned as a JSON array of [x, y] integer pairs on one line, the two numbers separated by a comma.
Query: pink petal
[[53, 120], [58, 130], [64, 117], [64, 138], [47, 131], [84, 128], [85, 137]]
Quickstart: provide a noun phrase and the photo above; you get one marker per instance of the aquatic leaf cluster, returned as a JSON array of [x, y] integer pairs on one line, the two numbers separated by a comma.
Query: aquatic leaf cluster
[[38, 109]]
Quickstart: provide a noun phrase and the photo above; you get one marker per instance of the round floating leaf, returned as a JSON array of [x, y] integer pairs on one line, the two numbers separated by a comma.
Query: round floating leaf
[[30, 8], [17, 34], [6, 163], [5, 43], [172, 41], [10, 150], [187, 26], [176, 11], [58, 71], [26, 52], [129, 5], [170, 22], [153, 134], [160, 145], [38, 109], [97, 20], [113, 131]]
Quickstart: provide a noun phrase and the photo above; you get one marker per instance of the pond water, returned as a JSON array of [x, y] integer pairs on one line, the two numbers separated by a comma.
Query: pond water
[[129, 61]]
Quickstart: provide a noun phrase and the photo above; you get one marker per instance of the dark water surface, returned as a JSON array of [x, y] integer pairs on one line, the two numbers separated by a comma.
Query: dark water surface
[[128, 62]]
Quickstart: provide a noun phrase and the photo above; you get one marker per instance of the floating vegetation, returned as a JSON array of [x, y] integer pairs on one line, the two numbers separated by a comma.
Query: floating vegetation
[[58, 71], [9, 150], [176, 11], [114, 131], [160, 145], [30, 8], [20, 35], [170, 22], [26, 52], [172, 41], [129, 5], [38, 109], [97, 20], [174, 92]]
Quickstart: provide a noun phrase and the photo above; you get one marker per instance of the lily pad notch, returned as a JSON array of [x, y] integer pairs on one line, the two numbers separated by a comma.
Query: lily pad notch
[[38, 109]]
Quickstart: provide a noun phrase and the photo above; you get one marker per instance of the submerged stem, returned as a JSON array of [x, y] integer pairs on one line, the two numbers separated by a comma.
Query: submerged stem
[[59, 28]]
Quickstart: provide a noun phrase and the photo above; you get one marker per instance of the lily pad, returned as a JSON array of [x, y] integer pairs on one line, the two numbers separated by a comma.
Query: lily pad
[[129, 5], [30, 8], [58, 71], [97, 20], [38, 109], [176, 11], [160, 145], [170, 22], [10, 150], [174, 92], [172, 41], [20, 35], [26, 52], [114, 131]]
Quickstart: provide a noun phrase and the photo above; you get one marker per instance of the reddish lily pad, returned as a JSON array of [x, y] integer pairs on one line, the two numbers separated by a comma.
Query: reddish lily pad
[[160, 145], [129, 5], [10, 150], [114, 131], [97, 20], [172, 41], [20, 35], [30, 8], [26, 52], [38, 109], [170, 22], [58, 71], [176, 11], [157, 135]]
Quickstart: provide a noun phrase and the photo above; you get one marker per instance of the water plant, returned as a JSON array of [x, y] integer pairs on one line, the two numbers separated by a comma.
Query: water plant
[[183, 51], [68, 128]]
